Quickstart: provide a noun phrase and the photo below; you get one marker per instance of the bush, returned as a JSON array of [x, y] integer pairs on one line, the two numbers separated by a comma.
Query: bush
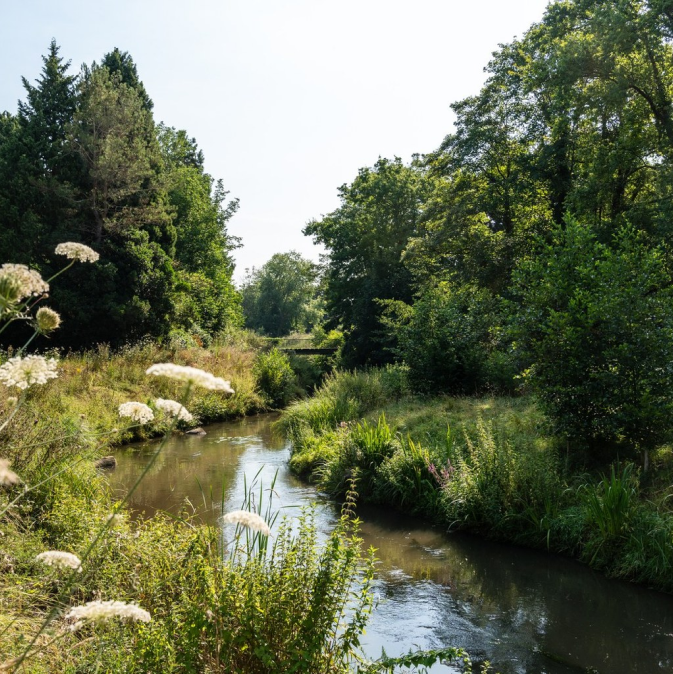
[[595, 329], [447, 339], [275, 378]]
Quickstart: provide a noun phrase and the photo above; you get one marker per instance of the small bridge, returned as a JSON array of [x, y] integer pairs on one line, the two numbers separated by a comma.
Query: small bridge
[[299, 346]]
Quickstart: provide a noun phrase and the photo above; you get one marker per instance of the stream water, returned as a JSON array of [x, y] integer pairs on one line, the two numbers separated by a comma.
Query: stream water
[[528, 612]]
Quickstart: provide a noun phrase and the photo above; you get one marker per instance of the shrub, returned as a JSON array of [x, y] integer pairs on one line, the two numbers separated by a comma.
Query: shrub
[[275, 378], [595, 328], [447, 338]]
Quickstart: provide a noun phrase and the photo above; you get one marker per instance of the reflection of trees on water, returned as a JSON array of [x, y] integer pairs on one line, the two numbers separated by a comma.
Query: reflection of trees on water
[[191, 468], [507, 604], [514, 605]]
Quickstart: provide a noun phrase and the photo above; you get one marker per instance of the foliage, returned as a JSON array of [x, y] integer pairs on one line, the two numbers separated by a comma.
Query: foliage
[[281, 296], [448, 338], [365, 238], [490, 466], [344, 396], [595, 327], [275, 377], [83, 161]]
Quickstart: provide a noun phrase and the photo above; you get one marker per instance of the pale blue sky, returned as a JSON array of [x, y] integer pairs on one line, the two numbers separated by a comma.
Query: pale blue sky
[[287, 98]]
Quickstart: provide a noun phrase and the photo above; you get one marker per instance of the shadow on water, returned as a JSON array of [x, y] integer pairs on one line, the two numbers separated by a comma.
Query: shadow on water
[[525, 611]]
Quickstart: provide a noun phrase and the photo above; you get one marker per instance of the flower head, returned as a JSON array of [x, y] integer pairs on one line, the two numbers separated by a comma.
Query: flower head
[[47, 320], [61, 559], [137, 411], [77, 251], [174, 409], [7, 476], [192, 375], [24, 372], [18, 282], [100, 611], [249, 520]]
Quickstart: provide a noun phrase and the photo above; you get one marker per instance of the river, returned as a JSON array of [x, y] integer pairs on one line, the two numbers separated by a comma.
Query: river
[[526, 611]]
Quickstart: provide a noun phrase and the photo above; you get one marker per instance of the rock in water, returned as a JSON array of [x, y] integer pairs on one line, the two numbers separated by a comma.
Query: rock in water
[[106, 463]]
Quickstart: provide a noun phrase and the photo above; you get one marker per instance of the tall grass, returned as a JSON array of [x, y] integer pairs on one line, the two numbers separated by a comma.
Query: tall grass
[[485, 465]]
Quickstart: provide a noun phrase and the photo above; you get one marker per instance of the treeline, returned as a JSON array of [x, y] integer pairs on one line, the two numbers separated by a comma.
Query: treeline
[[84, 160], [532, 247]]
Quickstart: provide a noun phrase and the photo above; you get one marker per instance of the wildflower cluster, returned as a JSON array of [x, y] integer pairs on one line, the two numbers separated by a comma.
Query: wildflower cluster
[[77, 251], [25, 372], [191, 375], [47, 320], [100, 611], [174, 409], [137, 412], [22, 281], [7, 476], [60, 559]]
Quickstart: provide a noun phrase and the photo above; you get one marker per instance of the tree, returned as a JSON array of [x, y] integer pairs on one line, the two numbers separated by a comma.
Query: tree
[[365, 238], [36, 167], [281, 296], [83, 161], [594, 329], [206, 300]]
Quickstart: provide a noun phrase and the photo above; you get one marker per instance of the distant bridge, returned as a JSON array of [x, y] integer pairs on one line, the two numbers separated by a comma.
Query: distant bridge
[[300, 346]]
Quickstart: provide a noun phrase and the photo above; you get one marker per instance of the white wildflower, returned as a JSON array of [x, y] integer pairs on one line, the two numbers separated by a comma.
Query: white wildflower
[[12, 400], [7, 476], [137, 411], [192, 375], [77, 251], [47, 320], [24, 372], [174, 409], [249, 520], [99, 611], [61, 559], [25, 281]]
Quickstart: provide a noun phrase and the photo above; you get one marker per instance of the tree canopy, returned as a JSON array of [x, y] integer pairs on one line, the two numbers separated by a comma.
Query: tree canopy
[[83, 160], [282, 296]]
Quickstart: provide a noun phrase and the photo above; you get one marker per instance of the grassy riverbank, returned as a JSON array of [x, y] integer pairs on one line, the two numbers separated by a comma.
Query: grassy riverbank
[[488, 465], [210, 611]]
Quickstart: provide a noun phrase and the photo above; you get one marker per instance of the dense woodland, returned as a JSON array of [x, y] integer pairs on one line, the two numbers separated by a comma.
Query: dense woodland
[[84, 160], [532, 248]]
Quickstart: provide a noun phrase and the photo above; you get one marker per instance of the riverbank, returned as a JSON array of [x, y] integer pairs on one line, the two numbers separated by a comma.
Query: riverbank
[[485, 465], [208, 609]]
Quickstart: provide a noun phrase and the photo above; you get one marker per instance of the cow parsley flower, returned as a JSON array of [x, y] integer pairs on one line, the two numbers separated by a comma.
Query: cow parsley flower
[[60, 559], [77, 251], [100, 611], [7, 476], [22, 281], [249, 520], [24, 372], [192, 375], [136, 411], [174, 409], [47, 320]]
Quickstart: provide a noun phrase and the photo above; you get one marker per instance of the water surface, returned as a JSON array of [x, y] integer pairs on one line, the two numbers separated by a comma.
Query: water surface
[[528, 612]]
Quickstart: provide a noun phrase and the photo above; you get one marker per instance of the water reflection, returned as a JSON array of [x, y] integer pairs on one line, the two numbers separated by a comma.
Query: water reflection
[[526, 611]]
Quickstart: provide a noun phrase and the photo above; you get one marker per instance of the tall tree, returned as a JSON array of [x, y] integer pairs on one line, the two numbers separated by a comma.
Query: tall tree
[[365, 238], [280, 297], [206, 299]]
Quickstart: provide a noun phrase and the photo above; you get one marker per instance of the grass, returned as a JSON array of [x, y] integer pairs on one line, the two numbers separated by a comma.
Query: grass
[[487, 465], [254, 605]]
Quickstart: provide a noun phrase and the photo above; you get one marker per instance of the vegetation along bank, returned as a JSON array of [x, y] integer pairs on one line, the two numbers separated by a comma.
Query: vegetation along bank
[[486, 464]]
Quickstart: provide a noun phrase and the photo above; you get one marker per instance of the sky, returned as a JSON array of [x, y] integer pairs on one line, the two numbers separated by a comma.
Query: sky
[[286, 98]]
